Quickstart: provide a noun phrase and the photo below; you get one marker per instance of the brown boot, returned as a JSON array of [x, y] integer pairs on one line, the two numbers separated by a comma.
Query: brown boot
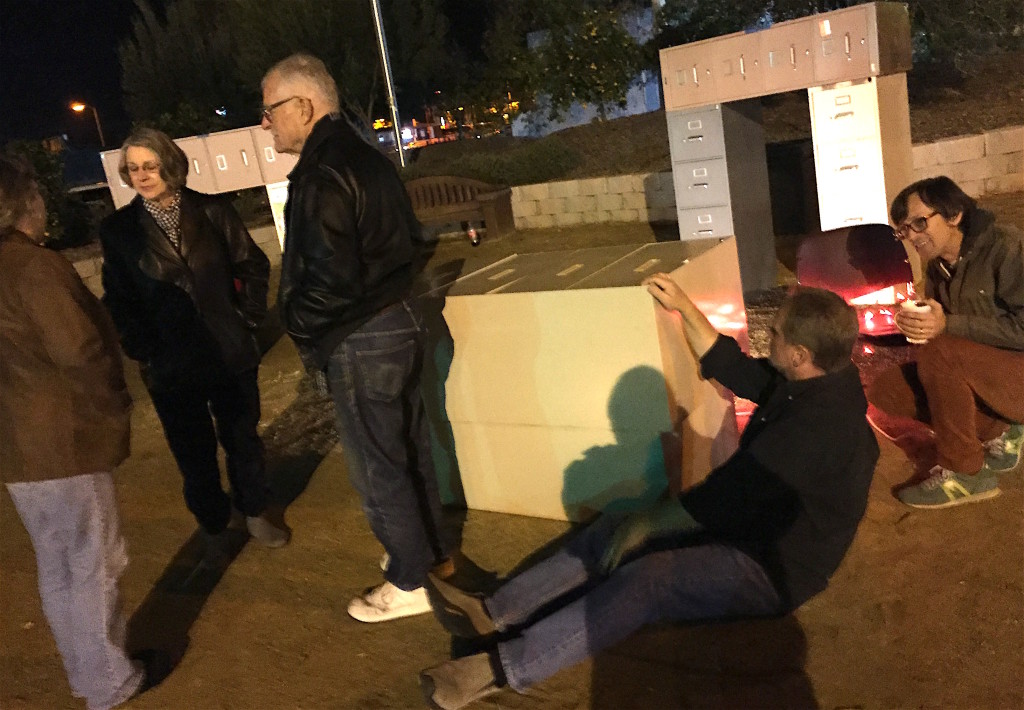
[[457, 683]]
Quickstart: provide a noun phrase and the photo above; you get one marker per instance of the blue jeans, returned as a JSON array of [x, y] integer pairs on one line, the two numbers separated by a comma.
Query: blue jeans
[[374, 376], [702, 582]]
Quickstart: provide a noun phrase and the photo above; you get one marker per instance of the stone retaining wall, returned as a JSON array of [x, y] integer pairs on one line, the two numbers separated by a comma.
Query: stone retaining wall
[[987, 163]]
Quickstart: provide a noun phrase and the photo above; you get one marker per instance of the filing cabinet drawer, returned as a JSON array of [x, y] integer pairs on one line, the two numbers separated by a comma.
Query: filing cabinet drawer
[[693, 135], [702, 183], [704, 222]]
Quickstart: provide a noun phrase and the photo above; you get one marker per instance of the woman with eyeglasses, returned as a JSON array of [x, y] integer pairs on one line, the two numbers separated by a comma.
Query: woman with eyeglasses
[[968, 379], [187, 288]]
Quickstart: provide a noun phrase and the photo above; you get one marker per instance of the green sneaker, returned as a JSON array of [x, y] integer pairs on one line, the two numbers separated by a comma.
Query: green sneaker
[[945, 488], [1003, 453]]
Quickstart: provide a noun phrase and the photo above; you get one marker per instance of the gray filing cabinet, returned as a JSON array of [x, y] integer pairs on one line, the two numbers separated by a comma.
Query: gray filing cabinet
[[720, 175]]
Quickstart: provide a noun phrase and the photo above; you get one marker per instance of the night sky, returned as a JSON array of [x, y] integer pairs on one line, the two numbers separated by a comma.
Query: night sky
[[53, 52]]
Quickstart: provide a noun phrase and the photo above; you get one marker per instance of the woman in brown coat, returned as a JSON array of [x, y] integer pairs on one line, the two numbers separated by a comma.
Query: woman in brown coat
[[63, 429]]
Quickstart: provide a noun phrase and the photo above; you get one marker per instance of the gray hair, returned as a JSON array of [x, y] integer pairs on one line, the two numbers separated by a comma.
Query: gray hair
[[310, 73], [173, 161]]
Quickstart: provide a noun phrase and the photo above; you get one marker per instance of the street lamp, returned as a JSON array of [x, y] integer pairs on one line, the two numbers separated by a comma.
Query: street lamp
[[78, 107]]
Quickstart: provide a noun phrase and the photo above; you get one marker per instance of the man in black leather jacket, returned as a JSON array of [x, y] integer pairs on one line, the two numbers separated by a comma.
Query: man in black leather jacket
[[349, 261]]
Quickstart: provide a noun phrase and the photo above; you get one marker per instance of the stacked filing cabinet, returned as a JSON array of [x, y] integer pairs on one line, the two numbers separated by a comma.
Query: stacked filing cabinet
[[564, 390], [720, 174], [852, 63], [861, 148]]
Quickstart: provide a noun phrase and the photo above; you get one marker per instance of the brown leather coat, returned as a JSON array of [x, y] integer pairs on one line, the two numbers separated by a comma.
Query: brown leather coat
[[64, 406]]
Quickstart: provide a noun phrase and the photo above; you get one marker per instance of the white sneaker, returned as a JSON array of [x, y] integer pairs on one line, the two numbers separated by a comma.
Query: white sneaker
[[386, 601]]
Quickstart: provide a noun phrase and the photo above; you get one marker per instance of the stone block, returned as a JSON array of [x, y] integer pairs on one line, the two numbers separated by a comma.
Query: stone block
[[634, 201], [962, 149], [1004, 140], [621, 184], [541, 221], [609, 202], [568, 188], [525, 208], [1013, 182], [88, 267], [564, 219], [530, 192], [926, 155], [593, 186], [551, 206], [625, 215], [581, 203]]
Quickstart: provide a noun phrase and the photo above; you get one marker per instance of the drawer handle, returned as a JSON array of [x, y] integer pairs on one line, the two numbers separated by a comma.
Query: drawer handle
[[694, 138], [245, 158], [847, 41], [696, 81], [699, 184], [195, 165], [842, 114], [792, 55], [708, 232], [849, 167], [743, 70]]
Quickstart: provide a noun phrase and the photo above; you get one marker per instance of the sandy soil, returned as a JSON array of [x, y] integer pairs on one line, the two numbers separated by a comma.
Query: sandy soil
[[926, 611]]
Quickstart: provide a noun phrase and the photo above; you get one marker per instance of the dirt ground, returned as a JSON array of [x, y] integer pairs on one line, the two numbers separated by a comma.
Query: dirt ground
[[925, 612]]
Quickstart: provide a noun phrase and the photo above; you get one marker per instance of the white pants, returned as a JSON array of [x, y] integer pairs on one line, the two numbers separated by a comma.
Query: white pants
[[80, 555]]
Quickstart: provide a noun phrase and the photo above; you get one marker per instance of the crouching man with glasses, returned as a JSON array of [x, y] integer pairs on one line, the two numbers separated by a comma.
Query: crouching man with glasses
[[968, 379]]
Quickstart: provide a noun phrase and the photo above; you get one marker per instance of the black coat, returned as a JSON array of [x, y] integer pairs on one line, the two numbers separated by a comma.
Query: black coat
[[352, 241], [189, 315]]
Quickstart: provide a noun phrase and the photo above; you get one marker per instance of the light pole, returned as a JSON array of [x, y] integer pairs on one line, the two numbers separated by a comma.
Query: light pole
[[78, 107]]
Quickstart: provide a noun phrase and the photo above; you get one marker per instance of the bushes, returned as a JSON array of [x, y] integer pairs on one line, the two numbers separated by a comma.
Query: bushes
[[501, 160]]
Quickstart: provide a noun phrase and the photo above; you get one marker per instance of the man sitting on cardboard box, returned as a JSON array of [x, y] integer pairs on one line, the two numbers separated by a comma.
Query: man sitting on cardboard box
[[761, 535]]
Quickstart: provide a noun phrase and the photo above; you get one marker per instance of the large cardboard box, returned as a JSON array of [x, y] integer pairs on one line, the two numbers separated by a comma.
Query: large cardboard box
[[582, 395]]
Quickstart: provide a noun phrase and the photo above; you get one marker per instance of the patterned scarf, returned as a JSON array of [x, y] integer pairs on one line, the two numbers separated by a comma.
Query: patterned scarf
[[168, 218]]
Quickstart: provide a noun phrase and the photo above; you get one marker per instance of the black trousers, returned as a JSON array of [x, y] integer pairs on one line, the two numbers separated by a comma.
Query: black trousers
[[194, 418]]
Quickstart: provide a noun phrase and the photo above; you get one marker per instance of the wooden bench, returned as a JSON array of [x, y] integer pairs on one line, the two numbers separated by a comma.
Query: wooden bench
[[446, 199]]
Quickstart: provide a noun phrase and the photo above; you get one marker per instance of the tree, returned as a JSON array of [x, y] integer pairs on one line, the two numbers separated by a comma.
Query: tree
[[179, 79], [581, 52], [341, 33], [202, 57]]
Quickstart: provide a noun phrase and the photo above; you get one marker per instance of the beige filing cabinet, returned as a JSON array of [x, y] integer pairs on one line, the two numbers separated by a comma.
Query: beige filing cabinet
[[871, 39], [120, 191], [862, 151], [233, 160], [720, 175], [570, 399]]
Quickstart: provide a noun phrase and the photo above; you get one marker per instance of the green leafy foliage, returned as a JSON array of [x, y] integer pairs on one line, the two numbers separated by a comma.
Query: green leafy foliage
[[67, 218]]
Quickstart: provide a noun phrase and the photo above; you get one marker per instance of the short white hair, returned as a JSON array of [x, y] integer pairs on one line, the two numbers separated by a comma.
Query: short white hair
[[308, 73]]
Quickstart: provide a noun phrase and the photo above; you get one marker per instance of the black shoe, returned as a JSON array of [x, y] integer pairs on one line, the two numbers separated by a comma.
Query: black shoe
[[457, 683], [157, 664], [461, 613]]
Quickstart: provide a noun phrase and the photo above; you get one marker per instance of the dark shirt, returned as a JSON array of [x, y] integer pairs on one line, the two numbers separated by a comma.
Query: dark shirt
[[793, 493]]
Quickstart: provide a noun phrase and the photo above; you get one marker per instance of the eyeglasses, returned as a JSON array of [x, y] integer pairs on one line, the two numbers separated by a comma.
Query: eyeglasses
[[916, 225], [147, 167], [265, 112]]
